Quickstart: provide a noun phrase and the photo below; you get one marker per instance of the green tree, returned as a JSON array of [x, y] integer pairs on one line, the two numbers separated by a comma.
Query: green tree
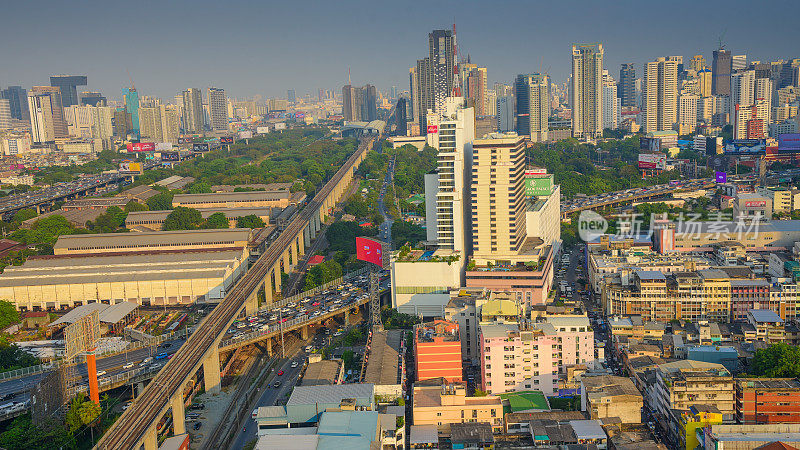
[[182, 218], [134, 206], [356, 206], [160, 202], [199, 188], [777, 361], [406, 232], [22, 434], [250, 221], [24, 214], [217, 221], [88, 412], [8, 314], [110, 221]]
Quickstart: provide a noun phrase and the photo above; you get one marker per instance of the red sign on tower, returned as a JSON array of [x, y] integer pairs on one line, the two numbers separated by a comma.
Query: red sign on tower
[[369, 250]]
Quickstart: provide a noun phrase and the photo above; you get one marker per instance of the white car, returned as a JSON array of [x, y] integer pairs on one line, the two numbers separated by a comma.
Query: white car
[[128, 365]]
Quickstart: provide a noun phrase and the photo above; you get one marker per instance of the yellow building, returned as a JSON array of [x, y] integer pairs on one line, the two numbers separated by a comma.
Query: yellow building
[[84, 244], [689, 421], [441, 405], [250, 199]]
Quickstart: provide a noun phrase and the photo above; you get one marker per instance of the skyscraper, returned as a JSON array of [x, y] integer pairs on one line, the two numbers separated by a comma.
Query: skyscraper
[[132, 108], [413, 89], [627, 85], [69, 87], [400, 116], [92, 99], [611, 102], [5, 114], [697, 63], [738, 62], [721, 68], [217, 108], [49, 114], [18, 101], [193, 117], [506, 113], [498, 196], [442, 64], [475, 86], [359, 103], [533, 105], [290, 96], [421, 83], [660, 96], [587, 92], [705, 78]]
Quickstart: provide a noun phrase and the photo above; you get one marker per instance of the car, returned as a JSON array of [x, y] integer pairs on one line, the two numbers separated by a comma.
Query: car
[[127, 365], [276, 384], [198, 406], [161, 355], [126, 405], [7, 397], [146, 361], [197, 425], [166, 345], [294, 364], [280, 372], [101, 373]]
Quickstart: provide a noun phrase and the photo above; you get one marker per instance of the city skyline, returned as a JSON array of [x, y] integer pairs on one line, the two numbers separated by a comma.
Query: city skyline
[[317, 49]]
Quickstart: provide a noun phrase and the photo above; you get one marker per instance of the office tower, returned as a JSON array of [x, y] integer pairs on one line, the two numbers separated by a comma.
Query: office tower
[[170, 123], [425, 83], [290, 96], [69, 87], [132, 108], [50, 122], [359, 103], [413, 84], [627, 85], [742, 88], [587, 91], [498, 196], [697, 63], [18, 102], [5, 114], [533, 105], [475, 87], [441, 51], [193, 116], [763, 93], [451, 131], [660, 95], [150, 123], [400, 116], [506, 113], [721, 67], [611, 102], [394, 92], [89, 98], [738, 62], [687, 113], [122, 123], [217, 108], [704, 77]]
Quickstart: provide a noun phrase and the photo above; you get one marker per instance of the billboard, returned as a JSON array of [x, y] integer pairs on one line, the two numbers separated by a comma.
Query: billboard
[[245, 134], [280, 126], [141, 147], [755, 204], [200, 147], [652, 161], [163, 146], [721, 177], [789, 143], [130, 167], [170, 156], [650, 144], [433, 129], [369, 250], [538, 186], [746, 147], [81, 335], [184, 140], [262, 130], [226, 140]]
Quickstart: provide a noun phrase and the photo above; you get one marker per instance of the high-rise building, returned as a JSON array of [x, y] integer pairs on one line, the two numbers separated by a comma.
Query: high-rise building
[[441, 54], [721, 67], [587, 91], [704, 78], [697, 63], [89, 98], [150, 123], [423, 84], [475, 87], [401, 119], [498, 196], [738, 62], [394, 92], [451, 131], [660, 96], [687, 113], [290, 96], [217, 107], [132, 108], [611, 102], [413, 83], [122, 123], [5, 114], [48, 114], [627, 85], [18, 101], [193, 116], [160, 123], [506, 113], [359, 103], [69, 87], [533, 105], [742, 86]]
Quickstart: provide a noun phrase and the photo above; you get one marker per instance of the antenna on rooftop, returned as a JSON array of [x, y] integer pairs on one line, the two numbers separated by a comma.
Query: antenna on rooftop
[[133, 86]]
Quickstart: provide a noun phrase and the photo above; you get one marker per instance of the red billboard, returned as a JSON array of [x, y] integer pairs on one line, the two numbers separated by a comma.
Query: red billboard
[[433, 128], [141, 147], [369, 250], [755, 204]]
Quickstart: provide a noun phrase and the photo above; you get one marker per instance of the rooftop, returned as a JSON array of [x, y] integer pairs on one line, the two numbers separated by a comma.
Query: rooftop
[[471, 433], [231, 197], [769, 383], [384, 358], [310, 395], [526, 401], [588, 429], [764, 316], [150, 239], [321, 372]]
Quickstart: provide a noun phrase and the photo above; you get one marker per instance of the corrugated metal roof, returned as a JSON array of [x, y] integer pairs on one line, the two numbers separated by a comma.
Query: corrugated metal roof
[[172, 238], [77, 313], [115, 313], [252, 196], [309, 395]]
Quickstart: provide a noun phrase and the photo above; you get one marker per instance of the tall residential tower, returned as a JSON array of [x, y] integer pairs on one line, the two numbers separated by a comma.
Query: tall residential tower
[[587, 92]]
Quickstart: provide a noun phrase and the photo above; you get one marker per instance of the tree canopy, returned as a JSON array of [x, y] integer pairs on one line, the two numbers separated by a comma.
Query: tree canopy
[[161, 201], [182, 218], [250, 221], [217, 221], [776, 361]]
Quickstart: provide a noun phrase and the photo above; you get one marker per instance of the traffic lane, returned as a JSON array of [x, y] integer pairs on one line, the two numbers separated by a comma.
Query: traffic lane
[[270, 397], [115, 363]]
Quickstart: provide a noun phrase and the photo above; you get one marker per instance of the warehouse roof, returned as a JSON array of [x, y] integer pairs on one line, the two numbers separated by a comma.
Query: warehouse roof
[[115, 313], [146, 239], [129, 258], [764, 316], [231, 196], [384, 355], [139, 216], [309, 395], [162, 273], [77, 313]]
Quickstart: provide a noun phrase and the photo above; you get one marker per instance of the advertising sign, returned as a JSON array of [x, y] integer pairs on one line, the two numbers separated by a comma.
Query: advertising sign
[[650, 144], [721, 177], [433, 129], [184, 141], [200, 147], [369, 250], [82, 335], [163, 146], [535, 171], [280, 126], [262, 130], [652, 161], [141, 147], [226, 140], [538, 186], [755, 204], [170, 156], [746, 147], [130, 167], [789, 143], [245, 134]]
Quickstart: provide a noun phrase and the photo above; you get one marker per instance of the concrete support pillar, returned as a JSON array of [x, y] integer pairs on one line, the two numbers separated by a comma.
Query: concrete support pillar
[[150, 438], [287, 265], [295, 253], [276, 272], [301, 244], [268, 344], [178, 414], [211, 372], [138, 388], [251, 304], [267, 291], [307, 235], [304, 331], [346, 317]]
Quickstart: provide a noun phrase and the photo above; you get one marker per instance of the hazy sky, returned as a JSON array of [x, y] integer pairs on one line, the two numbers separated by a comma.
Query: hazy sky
[[267, 47]]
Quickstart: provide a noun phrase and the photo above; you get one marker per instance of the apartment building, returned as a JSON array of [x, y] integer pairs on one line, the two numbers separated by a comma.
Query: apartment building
[[767, 400], [443, 404], [532, 355], [437, 351], [682, 384], [607, 396]]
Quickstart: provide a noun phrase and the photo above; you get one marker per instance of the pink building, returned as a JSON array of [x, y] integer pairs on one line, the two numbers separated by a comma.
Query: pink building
[[529, 284], [533, 357]]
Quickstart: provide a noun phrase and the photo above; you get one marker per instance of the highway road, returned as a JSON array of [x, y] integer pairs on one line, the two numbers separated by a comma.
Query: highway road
[[385, 229], [629, 195]]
